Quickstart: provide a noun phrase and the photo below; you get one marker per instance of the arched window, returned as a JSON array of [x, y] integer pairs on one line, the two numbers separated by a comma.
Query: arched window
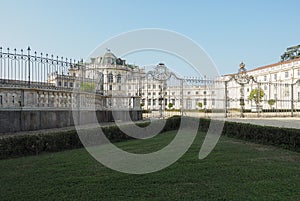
[[119, 78], [110, 78]]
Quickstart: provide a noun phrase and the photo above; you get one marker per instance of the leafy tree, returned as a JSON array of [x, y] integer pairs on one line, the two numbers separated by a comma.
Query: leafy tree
[[256, 95], [271, 102], [170, 105], [87, 87], [200, 104]]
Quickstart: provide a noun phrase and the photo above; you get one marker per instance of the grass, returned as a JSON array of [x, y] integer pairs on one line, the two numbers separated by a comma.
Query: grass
[[235, 170]]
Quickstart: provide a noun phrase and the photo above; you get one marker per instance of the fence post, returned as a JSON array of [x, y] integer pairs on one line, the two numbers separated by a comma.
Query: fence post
[[28, 49], [225, 99], [181, 101], [292, 100]]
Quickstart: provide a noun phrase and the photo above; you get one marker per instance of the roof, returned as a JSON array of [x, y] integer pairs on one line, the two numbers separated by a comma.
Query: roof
[[268, 66]]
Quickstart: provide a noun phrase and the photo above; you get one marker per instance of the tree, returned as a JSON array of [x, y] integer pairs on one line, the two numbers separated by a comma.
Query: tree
[[170, 105], [271, 102], [200, 105], [256, 95], [87, 87]]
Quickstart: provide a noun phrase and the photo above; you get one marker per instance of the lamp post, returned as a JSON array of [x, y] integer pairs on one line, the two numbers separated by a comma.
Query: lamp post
[[242, 78]]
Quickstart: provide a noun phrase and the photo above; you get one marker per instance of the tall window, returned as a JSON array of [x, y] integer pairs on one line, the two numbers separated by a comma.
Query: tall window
[[119, 78], [110, 78], [286, 74], [275, 77], [265, 78]]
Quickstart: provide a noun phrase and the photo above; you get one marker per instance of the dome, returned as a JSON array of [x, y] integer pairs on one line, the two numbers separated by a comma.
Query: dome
[[108, 58]]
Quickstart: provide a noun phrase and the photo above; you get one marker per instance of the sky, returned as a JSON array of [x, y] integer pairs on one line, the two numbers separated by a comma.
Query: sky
[[255, 32]]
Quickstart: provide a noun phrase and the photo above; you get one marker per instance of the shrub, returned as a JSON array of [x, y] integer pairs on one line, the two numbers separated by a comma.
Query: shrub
[[25, 145]]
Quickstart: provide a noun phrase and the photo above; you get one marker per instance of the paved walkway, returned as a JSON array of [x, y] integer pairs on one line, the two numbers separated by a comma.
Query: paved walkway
[[283, 122]]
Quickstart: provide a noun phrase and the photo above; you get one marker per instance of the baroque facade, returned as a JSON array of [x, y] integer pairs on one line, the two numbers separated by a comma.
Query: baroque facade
[[115, 78]]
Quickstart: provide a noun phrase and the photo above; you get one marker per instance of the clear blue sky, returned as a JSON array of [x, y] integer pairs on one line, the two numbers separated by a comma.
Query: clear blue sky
[[256, 32]]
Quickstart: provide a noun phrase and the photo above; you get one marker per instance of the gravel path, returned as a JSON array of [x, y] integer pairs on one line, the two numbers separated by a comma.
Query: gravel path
[[286, 122]]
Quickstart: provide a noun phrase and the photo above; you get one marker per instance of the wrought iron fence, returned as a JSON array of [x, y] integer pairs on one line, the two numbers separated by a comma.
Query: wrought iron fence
[[27, 69], [31, 69]]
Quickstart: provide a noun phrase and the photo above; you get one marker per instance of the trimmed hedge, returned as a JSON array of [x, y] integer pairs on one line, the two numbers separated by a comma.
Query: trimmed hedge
[[25, 145], [287, 138]]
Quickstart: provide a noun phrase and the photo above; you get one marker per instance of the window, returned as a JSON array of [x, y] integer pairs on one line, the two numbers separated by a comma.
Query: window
[[149, 93], [74, 74], [275, 76], [149, 86], [173, 102], [286, 74], [275, 96], [71, 84], [154, 86], [1, 101], [66, 84], [173, 93], [154, 93], [265, 87], [110, 87], [204, 101], [119, 78], [188, 92], [204, 92], [110, 78], [213, 101], [154, 101], [197, 92], [120, 88], [149, 101], [265, 78], [247, 89], [59, 83], [298, 72], [298, 97]]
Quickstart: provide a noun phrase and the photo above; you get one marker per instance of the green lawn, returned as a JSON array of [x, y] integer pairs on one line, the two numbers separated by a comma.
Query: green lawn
[[235, 170]]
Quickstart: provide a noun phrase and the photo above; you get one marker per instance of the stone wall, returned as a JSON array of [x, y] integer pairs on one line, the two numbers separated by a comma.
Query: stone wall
[[25, 109], [27, 120]]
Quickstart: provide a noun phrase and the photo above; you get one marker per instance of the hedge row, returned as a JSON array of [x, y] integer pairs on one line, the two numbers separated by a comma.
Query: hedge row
[[25, 145], [287, 138], [34, 144]]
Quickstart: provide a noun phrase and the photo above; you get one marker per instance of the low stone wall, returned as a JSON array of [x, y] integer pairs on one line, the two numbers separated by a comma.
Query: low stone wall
[[27, 120]]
